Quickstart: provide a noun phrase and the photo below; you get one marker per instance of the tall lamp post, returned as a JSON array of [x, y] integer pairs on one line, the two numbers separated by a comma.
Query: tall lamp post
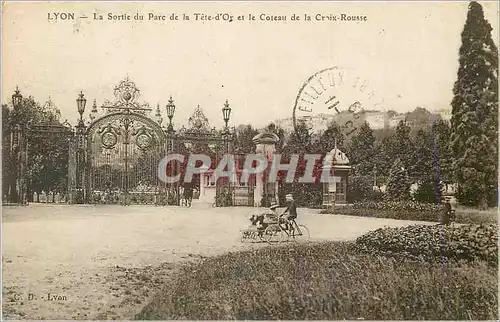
[[81, 101], [170, 114], [226, 115], [170, 107], [19, 150]]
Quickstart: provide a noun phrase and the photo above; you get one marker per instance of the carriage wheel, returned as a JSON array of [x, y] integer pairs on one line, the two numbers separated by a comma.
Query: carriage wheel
[[244, 237], [274, 234], [301, 234]]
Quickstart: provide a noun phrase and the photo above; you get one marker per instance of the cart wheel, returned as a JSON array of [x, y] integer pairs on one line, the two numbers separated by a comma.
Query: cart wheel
[[243, 237], [273, 234], [301, 234]]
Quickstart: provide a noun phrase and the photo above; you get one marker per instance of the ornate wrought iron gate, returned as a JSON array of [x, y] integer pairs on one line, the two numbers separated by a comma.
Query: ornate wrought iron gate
[[124, 148], [200, 138]]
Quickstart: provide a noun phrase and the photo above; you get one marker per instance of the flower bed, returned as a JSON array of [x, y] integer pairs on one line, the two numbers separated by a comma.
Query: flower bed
[[330, 281], [468, 242]]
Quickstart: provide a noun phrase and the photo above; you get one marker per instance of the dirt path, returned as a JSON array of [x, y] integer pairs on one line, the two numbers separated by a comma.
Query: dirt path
[[105, 262]]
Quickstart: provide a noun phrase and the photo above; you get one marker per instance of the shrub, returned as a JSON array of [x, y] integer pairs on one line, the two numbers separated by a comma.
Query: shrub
[[330, 281], [360, 188], [398, 184], [305, 194], [467, 242], [411, 210], [405, 210], [426, 192]]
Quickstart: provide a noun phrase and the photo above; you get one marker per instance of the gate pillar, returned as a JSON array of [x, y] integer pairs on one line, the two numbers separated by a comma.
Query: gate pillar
[[72, 170], [265, 192], [80, 161]]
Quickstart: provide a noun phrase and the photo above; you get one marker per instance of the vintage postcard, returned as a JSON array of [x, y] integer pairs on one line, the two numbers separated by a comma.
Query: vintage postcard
[[250, 160]]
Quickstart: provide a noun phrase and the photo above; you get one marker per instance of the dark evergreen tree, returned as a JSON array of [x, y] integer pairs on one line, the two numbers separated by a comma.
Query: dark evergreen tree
[[422, 165], [398, 183], [401, 144], [361, 150], [327, 140], [300, 140], [444, 154], [474, 122], [426, 192]]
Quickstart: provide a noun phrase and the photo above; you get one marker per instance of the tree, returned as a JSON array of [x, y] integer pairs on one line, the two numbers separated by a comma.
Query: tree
[[361, 150], [47, 164], [426, 192], [398, 184], [244, 136], [396, 145], [280, 132], [8, 175], [300, 140], [474, 122], [422, 165], [420, 119], [330, 138], [441, 135], [401, 144], [360, 188]]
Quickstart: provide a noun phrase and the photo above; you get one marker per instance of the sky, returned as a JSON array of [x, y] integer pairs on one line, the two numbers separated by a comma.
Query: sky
[[407, 50]]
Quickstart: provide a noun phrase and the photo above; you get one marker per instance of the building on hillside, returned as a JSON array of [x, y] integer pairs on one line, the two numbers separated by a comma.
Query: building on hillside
[[376, 120]]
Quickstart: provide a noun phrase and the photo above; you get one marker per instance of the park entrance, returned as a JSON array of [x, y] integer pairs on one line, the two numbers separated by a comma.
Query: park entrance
[[112, 157], [125, 149], [115, 157]]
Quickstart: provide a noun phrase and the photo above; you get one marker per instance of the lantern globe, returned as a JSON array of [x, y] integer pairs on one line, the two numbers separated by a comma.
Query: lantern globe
[[81, 101], [226, 112], [17, 98]]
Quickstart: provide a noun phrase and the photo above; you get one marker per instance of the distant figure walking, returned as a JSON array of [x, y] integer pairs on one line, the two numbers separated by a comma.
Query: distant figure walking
[[188, 194], [447, 214]]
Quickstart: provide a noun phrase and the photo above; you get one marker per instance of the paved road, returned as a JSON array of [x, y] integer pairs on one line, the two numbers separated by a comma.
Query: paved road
[[103, 262]]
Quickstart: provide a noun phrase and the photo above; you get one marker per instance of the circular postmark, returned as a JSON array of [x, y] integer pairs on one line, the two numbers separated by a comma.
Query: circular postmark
[[335, 94]]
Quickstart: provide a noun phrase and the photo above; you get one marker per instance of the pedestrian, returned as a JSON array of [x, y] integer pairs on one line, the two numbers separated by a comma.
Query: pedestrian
[[188, 194], [290, 211]]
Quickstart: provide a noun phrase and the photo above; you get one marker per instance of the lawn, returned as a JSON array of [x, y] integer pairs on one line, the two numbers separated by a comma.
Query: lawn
[[326, 281], [475, 216], [408, 210]]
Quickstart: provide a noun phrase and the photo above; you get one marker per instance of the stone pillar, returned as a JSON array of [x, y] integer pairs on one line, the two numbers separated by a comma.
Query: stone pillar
[[72, 174], [265, 144], [202, 185]]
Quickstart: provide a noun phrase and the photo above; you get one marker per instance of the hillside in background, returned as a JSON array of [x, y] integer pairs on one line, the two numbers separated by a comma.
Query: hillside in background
[[378, 120]]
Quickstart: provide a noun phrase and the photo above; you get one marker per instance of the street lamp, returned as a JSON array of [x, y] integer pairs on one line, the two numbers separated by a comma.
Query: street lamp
[[80, 103], [226, 113], [16, 150], [17, 98], [170, 113]]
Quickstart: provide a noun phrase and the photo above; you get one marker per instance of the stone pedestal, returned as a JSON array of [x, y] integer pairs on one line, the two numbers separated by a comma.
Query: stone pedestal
[[265, 144]]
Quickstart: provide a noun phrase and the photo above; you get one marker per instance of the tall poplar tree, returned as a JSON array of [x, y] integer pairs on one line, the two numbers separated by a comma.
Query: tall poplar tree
[[474, 122]]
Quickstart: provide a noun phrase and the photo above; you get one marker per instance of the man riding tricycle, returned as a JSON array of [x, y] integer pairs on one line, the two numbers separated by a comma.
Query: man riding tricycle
[[271, 227]]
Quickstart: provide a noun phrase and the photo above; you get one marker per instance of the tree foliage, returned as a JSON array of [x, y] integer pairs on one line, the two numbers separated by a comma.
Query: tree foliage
[[474, 122], [362, 150], [398, 184], [47, 162]]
